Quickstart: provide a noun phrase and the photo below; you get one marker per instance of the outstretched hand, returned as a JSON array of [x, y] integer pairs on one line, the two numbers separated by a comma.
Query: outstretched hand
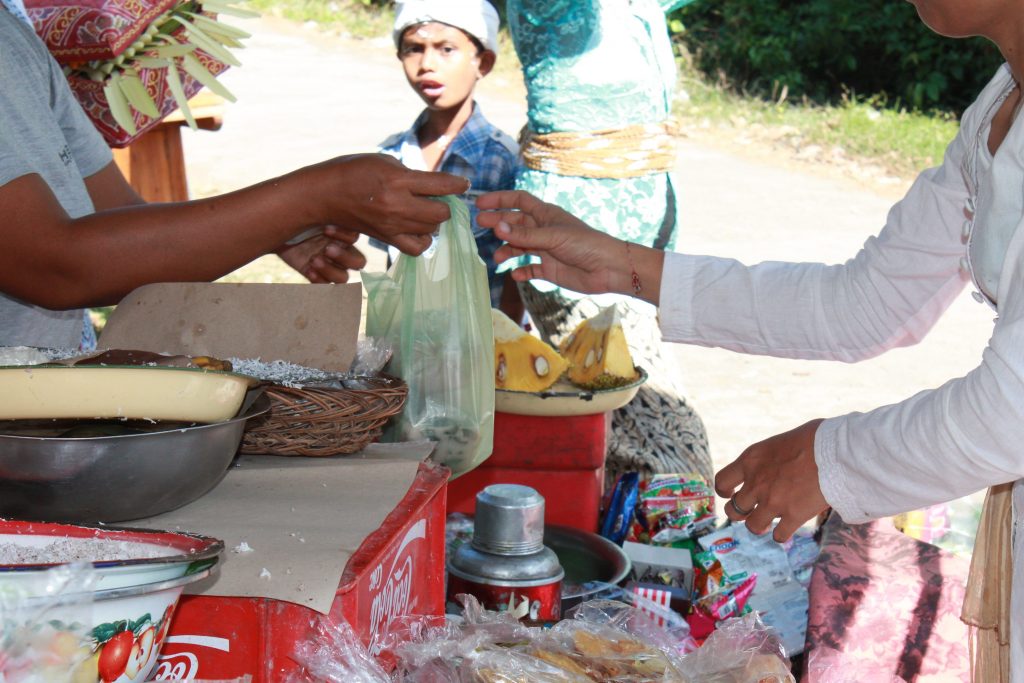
[[378, 196], [776, 479], [572, 254], [326, 257]]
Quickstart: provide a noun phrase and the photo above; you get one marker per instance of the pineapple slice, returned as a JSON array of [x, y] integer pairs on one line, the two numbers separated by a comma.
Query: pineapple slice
[[598, 354], [522, 362]]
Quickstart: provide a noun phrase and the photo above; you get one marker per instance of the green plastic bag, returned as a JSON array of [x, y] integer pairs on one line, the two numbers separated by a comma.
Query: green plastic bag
[[435, 310]]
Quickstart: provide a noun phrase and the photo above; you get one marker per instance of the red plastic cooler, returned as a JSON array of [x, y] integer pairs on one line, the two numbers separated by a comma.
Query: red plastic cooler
[[561, 457]]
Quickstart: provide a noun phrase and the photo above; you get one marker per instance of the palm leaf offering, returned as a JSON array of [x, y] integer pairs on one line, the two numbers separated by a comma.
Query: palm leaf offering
[[162, 53]]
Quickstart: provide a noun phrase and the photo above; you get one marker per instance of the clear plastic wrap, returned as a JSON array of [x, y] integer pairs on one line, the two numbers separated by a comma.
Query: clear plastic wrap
[[741, 650], [333, 653], [637, 616], [372, 354], [418, 643], [504, 665], [412, 643], [605, 640], [606, 653], [45, 625]]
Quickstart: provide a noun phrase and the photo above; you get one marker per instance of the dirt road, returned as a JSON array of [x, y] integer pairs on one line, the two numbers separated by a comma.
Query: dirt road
[[305, 96]]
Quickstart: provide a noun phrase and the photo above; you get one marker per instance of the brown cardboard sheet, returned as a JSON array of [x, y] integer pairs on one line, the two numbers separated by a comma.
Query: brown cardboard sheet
[[289, 525], [311, 325]]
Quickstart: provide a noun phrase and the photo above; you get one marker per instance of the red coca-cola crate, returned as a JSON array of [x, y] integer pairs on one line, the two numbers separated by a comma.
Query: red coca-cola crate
[[562, 457], [397, 570]]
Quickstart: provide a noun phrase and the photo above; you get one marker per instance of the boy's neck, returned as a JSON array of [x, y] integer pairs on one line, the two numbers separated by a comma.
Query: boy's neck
[[440, 129]]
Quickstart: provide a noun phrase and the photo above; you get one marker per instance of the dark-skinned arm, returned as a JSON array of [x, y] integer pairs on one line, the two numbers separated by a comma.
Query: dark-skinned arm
[[58, 262]]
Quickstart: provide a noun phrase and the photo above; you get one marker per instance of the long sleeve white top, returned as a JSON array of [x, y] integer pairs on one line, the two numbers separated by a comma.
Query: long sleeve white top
[[939, 444]]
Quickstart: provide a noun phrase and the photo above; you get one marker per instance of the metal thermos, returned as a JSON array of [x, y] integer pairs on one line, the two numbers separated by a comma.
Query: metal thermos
[[507, 566]]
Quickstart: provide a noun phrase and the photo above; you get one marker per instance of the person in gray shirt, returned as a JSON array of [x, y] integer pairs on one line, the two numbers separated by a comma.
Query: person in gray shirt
[[75, 234]]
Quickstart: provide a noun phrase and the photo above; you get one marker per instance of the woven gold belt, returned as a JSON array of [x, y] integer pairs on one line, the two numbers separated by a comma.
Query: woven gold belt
[[613, 153]]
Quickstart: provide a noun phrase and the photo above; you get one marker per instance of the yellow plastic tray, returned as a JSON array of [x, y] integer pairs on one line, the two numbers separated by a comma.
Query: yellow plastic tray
[[112, 391]]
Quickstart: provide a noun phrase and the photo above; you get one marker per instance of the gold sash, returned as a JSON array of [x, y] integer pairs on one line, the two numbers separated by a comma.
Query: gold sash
[[986, 609], [613, 153]]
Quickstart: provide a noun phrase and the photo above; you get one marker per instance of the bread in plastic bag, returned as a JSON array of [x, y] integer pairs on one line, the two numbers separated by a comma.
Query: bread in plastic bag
[[435, 310], [333, 653], [741, 650], [603, 652]]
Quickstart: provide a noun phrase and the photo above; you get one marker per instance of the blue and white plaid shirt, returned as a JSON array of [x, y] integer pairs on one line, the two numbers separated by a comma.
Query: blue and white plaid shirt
[[480, 152]]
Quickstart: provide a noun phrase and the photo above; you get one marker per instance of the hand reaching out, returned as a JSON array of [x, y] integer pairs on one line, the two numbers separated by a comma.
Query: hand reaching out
[[326, 257], [776, 478], [378, 196], [572, 254]]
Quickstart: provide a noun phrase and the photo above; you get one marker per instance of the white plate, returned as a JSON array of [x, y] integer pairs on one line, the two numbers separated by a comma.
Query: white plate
[[564, 399], [111, 391]]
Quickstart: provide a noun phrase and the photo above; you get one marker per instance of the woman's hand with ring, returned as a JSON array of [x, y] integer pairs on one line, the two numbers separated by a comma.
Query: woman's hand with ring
[[774, 479], [742, 512]]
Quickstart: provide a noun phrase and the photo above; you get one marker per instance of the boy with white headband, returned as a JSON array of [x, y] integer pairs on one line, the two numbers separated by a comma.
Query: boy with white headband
[[445, 47]]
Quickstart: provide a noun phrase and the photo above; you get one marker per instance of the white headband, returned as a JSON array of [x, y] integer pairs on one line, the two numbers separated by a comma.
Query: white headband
[[478, 18]]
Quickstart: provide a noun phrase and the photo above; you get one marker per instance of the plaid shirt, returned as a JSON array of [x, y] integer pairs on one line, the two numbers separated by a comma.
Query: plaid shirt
[[479, 152]]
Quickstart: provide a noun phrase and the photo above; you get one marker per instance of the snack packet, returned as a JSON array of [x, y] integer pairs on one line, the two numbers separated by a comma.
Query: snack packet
[[672, 508]]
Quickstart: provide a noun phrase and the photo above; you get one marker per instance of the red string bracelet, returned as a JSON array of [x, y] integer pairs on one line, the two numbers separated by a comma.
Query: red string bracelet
[[634, 276]]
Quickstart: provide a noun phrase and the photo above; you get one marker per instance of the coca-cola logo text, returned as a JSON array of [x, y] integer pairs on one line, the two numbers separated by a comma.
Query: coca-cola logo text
[[392, 597]]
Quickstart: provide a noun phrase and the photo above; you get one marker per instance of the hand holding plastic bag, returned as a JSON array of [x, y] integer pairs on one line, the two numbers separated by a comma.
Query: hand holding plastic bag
[[435, 310]]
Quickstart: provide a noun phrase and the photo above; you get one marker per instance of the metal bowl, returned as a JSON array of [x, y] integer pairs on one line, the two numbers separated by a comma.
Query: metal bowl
[[116, 478], [591, 562]]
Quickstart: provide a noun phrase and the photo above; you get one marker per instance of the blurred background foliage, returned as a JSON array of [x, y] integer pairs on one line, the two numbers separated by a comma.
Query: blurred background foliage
[[824, 51]]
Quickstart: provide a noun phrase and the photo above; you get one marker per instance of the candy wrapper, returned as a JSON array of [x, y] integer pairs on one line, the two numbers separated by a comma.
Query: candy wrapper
[[778, 596], [673, 508], [709, 611], [620, 508]]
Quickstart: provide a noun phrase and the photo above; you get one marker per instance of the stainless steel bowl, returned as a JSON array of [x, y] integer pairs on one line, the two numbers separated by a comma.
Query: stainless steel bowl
[[116, 478], [591, 562]]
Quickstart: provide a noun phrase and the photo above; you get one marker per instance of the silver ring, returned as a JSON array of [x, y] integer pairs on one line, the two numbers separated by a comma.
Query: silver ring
[[740, 511]]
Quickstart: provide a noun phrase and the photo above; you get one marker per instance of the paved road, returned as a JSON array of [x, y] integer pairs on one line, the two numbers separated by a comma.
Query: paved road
[[304, 96]]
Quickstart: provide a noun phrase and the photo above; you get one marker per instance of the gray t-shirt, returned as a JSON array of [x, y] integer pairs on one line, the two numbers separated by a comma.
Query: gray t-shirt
[[43, 130]]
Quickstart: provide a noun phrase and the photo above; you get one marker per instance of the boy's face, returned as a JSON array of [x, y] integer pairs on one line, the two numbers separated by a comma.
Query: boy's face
[[442, 64]]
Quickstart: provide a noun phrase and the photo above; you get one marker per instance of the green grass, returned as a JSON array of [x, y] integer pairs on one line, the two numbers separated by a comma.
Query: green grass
[[357, 18], [901, 142]]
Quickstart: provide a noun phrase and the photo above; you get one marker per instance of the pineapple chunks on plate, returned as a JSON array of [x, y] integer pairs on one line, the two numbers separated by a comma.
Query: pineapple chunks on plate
[[598, 354]]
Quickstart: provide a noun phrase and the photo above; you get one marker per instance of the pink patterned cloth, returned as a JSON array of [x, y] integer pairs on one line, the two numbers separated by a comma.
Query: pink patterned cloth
[[884, 607], [77, 31], [84, 30]]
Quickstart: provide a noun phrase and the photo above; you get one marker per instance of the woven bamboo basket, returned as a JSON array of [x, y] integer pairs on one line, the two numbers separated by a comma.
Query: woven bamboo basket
[[316, 421]]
